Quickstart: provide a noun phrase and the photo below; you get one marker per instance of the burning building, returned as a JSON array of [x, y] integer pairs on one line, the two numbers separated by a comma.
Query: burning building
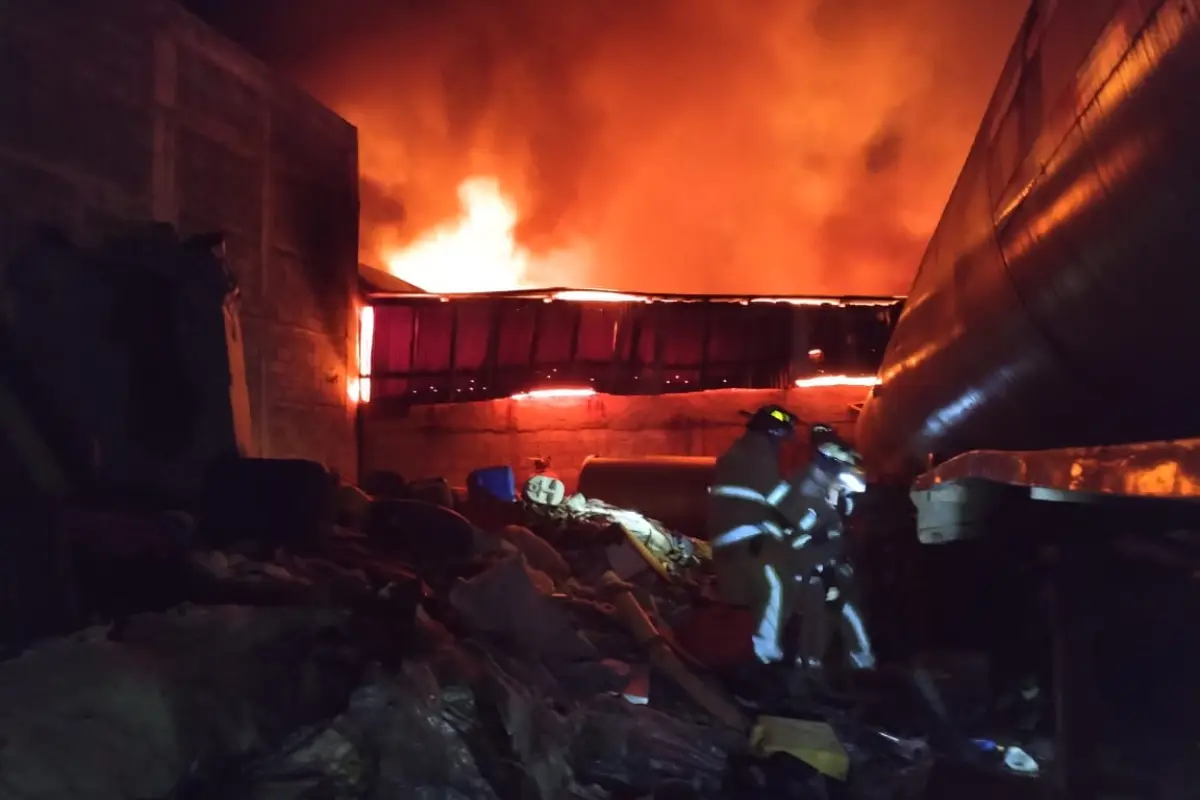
[[391, 644], [449, 382], [670, 146]]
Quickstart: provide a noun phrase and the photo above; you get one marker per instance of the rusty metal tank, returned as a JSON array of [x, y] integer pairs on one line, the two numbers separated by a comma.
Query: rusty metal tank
[[1056, 304], [670, 489]]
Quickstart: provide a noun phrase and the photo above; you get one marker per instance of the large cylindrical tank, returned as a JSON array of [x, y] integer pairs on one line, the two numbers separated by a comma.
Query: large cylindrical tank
[[1058, 302], [670, 489]]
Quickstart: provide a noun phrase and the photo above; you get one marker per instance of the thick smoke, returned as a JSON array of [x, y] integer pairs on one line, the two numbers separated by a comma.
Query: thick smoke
[[697, 145]]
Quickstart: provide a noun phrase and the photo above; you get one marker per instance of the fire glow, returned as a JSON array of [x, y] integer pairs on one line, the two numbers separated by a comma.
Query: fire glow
[[474, 253], [545, 394], [667, 136], [820, 381], [477, 252], [596, 296], [359, 386]]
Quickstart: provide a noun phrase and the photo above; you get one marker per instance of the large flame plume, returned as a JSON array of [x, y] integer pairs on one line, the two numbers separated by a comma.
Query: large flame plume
[[724, 146], [476, 251]]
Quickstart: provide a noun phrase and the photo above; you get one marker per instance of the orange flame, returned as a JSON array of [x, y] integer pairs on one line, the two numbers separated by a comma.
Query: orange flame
[[475, 253], [597, 296], [359, 387], [478, 252], [552, 393], [836, 380]]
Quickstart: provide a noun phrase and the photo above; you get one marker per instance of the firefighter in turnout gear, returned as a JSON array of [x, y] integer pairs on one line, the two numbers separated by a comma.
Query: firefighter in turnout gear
[[832, 479], [776, 539]]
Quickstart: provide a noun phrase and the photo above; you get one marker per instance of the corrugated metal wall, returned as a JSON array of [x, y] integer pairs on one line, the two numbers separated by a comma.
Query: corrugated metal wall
[[1055, 303], [430, 350]]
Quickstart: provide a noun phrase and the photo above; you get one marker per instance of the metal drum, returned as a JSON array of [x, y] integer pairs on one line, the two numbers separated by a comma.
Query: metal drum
[[670, 489]]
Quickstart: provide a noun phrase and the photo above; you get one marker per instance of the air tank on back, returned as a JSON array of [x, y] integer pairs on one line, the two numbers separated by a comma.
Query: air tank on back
[[1058, 302]]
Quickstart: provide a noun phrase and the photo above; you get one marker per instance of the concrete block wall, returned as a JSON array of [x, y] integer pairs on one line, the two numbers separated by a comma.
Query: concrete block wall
[[451, 440], [128, 111]]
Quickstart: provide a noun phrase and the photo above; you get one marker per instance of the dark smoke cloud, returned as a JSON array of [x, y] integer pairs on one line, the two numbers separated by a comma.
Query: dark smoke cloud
[[883, 153], [379, 206], [696, 145]]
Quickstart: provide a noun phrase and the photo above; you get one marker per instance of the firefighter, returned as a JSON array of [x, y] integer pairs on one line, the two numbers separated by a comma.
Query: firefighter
[[828, 587], [750, 522], [776, 539], [841, 462]]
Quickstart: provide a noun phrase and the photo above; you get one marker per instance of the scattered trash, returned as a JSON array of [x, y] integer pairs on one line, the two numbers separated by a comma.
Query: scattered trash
[[498, 483], [424, 533], [384, 485], [1019, 761], [434, 491], [638, 750], [288, 502], [1013, 757], [184, 621], [126, 711], [637, 691], [718, 635], [706, 694], [814, 743], [506, 601], [537, 551], [626, 560], [352, 505], [414, 644]]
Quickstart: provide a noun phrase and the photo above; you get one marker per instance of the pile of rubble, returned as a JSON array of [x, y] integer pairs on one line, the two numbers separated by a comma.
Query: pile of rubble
[[416, 643]]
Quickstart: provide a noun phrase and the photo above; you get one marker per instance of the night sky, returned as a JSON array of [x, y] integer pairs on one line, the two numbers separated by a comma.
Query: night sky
[[287, 33]]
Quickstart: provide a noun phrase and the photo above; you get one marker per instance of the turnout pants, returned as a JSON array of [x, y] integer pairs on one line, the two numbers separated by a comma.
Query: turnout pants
[[828, 599], [776, 580]]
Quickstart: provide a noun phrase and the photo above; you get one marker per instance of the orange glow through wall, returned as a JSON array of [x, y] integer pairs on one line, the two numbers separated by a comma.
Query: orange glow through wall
[[836, 380], [534, 394], [359, 387]]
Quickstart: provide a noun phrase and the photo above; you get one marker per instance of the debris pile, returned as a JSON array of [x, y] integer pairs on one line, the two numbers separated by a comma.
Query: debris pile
[[183, 622], [498, 648]]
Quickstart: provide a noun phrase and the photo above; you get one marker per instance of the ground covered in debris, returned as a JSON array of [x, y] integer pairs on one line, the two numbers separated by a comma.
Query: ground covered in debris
[[413, 643]]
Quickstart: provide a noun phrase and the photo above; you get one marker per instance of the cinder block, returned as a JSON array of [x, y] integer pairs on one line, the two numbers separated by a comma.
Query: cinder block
[[469, 435], [93, 85]]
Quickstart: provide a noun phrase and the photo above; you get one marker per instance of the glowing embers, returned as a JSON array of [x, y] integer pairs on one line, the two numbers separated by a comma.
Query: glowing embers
[[818, 381], [555, 392], [597, 296], [359, 386], [825, 301]]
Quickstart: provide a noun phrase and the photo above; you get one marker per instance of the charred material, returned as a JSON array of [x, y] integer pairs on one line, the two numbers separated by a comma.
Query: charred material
[[346, 665], [128, 362], [1053, 303]]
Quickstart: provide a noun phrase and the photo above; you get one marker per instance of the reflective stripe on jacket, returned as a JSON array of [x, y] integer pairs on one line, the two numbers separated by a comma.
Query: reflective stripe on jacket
[[747, 492]]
